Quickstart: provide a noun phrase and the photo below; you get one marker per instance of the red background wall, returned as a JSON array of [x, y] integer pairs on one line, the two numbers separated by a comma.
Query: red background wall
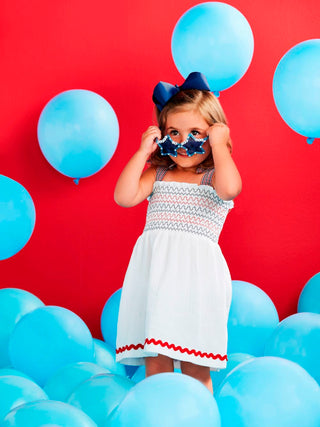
[[80, 248]]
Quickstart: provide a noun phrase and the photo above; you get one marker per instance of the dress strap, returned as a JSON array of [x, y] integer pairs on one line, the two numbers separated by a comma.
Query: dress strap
[[207, 177], [160, 172]]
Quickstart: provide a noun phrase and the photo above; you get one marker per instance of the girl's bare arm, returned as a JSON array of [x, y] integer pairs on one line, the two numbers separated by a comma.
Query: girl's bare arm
[[226, 181], [134, 185]]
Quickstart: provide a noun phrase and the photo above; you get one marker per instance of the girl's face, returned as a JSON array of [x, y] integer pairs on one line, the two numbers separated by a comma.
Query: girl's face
[[179, 125]]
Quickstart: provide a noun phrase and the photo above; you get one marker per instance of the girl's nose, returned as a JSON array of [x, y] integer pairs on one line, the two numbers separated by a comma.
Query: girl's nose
[[182, 138]]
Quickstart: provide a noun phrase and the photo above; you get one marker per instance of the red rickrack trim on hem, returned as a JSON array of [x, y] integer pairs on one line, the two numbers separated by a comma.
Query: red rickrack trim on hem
[[171, 346]]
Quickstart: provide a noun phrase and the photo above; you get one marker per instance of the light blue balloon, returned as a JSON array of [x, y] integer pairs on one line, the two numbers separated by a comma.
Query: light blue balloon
[[78, 132], [100, 395], [47, 413], [169, 399], [15, 391], [47, 339], [234, 360], [309, 299], [11, 371], [17, 217], [215, 39], [61, 384], [269, 391], [105, 356], [14, 304], [109, 326], [109, 318], [298, 338], [296, 88], [252, 319]]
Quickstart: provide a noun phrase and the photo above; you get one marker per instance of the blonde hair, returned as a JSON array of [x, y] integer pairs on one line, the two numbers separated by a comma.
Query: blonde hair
[[193, 99]]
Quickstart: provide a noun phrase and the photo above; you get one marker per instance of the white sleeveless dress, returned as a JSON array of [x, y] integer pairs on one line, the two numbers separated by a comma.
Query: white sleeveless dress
[[177, 290]]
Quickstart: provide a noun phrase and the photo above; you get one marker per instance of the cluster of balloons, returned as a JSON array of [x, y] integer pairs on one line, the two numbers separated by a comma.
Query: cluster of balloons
[[46, 353], [267, 360], [53, 372], [216, 39], [285, 362]]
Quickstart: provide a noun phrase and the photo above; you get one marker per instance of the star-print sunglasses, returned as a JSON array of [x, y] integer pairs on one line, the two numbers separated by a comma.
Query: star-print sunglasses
[[192, 145]]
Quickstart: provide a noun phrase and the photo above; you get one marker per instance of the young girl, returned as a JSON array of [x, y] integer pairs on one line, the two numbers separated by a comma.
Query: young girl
[[177, 290]]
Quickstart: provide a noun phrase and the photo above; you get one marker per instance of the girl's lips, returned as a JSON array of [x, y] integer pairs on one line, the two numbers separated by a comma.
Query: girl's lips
[[182, 153]]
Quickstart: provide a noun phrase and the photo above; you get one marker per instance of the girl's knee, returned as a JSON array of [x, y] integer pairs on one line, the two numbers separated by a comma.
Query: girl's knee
[[200, 373], [158, 365], [195, 370]]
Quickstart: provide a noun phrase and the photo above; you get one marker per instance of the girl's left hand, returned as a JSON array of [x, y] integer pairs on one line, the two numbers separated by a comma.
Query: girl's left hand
[[218, 133]]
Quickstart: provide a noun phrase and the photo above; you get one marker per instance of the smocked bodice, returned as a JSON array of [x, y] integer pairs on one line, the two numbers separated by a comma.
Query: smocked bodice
[[192, 208]]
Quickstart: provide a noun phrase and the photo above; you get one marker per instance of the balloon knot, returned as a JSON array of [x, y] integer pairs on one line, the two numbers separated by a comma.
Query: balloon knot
[[310, 140], [76, 181]]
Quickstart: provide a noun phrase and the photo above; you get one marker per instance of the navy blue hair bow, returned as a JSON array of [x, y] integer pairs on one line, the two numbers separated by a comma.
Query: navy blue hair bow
[[163, 92]]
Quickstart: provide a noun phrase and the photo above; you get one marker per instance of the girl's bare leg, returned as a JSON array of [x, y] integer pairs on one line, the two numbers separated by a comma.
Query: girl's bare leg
[[200, 373], [158, 364]]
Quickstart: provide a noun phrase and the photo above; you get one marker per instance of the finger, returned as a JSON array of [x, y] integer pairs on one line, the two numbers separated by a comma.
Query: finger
[[153, 129], [154, 132]]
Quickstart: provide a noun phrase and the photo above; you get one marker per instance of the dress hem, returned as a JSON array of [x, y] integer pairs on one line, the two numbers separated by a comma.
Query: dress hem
[[135, 354]]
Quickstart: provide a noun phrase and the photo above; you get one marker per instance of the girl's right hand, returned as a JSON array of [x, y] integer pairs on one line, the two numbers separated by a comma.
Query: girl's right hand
[[148, 140]]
